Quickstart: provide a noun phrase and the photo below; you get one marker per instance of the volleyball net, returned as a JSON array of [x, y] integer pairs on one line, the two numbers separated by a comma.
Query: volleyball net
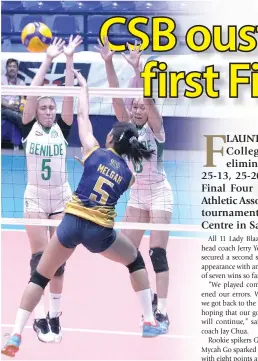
[[182, 167]]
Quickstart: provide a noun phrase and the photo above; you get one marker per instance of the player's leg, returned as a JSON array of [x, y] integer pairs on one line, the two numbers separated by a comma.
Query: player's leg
[[158, 255], [56, 289], [135, 215], [38, 238], [53, 257], [124, 252], [137, 211], [161, 213], [58, 198]]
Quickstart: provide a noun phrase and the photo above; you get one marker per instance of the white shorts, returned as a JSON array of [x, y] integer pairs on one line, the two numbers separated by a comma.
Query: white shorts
[[157, 196], [46, 200]]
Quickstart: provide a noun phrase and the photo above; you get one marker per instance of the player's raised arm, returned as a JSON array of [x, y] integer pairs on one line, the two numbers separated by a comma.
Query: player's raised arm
[[87, 138], [67, 108], [154, 118], [121, 112], [53, 51]]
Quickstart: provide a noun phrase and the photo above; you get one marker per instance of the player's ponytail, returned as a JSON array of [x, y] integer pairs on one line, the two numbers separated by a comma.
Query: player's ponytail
[[125, 140], [138, 151]]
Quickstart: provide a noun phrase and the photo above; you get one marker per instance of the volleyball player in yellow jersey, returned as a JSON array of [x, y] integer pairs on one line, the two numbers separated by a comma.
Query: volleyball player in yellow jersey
[[47, 190], [151, 196], [89, 219]]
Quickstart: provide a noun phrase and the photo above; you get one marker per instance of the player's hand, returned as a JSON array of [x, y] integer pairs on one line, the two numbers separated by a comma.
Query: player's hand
[[81, 80], [55, 48], [104, 50], [80, 159], [133, 58], [72, 45]]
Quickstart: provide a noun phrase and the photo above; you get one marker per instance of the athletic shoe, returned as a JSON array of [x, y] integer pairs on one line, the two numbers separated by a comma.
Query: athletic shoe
[[161, 318], [41, 327], [12, 345], [154, 307], [153, 330], [55, 327]]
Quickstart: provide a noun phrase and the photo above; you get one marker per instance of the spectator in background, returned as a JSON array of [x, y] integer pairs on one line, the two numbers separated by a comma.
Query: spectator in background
[[10, 103]]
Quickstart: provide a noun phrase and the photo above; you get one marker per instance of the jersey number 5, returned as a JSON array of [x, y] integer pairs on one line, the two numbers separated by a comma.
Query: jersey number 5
[[46, 170], [98, 189]]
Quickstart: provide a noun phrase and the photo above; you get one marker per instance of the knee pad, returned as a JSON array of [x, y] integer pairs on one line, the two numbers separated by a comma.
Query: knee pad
[[39, 280], [60, 271], [35, 258], [137, 264], [159, 259]]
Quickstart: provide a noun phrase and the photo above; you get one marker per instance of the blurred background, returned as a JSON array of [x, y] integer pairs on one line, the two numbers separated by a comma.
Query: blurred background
[[85, 18]]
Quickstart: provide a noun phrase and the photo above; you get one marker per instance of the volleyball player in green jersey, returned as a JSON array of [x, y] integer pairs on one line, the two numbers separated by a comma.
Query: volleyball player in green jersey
[[151, 197], [47, 190], [89, 220]]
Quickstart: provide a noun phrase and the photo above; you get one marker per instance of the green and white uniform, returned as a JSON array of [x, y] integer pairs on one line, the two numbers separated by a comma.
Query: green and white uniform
[[151, 189], [47, 188]]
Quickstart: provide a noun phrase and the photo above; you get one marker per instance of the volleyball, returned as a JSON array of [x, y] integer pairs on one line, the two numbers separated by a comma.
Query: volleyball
[[36, 37]]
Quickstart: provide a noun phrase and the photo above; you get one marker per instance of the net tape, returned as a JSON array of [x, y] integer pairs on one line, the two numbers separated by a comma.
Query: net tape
[[71, 91]]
